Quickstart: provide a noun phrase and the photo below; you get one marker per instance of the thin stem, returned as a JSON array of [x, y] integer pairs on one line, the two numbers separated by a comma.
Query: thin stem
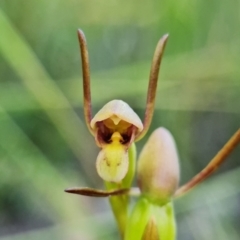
[[152, 86], [86, 79], [212, 166]]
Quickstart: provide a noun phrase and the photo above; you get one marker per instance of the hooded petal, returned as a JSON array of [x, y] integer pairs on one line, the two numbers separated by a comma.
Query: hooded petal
[[117, 111]]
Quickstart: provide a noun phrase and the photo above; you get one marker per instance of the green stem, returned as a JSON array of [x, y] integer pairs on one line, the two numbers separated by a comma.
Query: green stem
[[119, 204]]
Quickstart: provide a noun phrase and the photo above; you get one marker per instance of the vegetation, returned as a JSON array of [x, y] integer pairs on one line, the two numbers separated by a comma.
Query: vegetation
[[45, 146]]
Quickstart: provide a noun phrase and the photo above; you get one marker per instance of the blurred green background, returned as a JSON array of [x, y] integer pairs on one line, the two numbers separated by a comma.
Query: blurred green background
[[44, 144]]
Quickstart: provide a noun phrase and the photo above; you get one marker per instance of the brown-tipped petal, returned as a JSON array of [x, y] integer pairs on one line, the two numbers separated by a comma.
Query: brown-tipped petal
[[86, 79], [212, 166], [91, 192], [151, 231], [152, 86]]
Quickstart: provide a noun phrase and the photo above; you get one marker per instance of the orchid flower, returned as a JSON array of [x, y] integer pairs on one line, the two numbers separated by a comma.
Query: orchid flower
[[116, 128]]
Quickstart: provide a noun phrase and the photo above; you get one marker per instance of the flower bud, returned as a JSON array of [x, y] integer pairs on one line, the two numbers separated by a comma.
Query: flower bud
[[151, 221], [158, 167]]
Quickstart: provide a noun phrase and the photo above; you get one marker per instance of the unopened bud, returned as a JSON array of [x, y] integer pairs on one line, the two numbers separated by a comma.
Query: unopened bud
[[151, 221], [158, 167]]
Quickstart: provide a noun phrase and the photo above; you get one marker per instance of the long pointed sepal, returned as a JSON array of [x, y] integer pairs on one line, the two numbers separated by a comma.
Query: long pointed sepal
[[91, 192], [212, 166]]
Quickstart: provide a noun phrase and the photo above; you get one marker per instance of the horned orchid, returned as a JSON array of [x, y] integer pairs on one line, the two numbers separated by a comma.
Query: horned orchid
[[116, 128]]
